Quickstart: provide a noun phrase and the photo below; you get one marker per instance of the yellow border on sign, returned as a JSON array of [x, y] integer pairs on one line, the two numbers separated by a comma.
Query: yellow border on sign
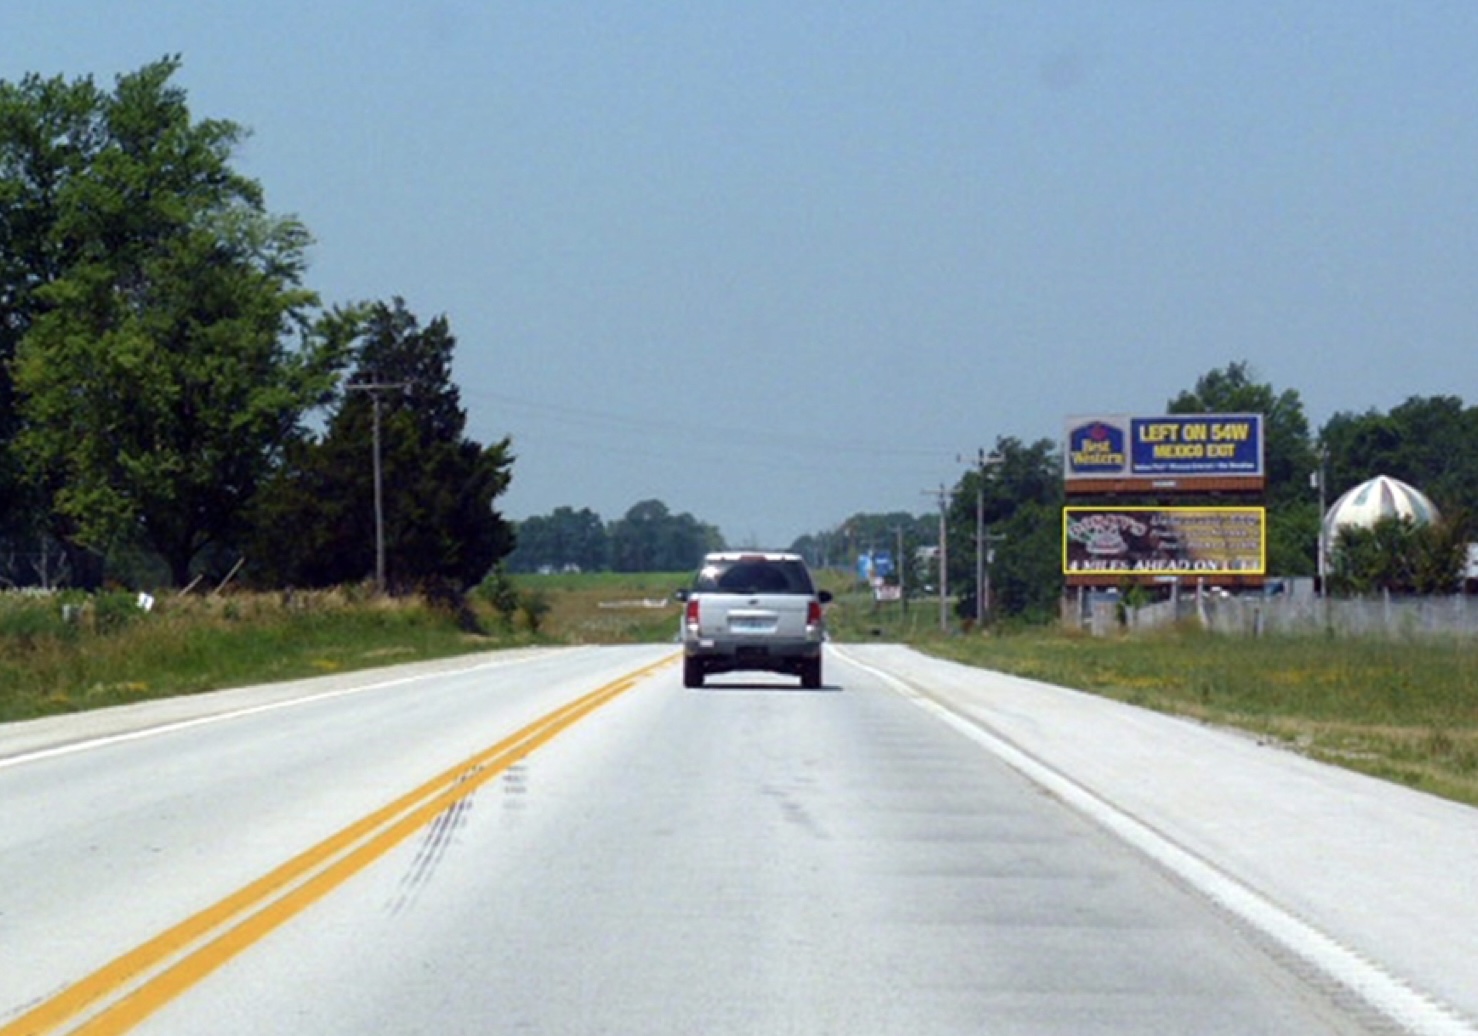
[[1262, 542]]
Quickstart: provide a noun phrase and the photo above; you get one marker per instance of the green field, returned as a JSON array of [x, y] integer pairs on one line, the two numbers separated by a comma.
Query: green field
[[1401, 709], [608, 607]]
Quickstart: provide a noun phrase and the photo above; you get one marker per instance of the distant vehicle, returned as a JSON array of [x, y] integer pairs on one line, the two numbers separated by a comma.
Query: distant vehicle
[[748, 610]]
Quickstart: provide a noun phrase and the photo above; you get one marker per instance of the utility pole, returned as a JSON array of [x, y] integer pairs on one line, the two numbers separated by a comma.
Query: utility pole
[[982, 573], [902, 570], [1323, 545], [374, 388], [982, 540], [943, 559]]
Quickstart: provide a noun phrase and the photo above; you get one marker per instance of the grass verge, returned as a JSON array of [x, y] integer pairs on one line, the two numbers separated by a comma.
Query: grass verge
[[1405, 710], [68, 653], [1401, 709]]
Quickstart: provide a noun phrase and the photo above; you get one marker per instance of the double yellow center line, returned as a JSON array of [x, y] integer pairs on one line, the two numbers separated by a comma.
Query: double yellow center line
[[125, 991]]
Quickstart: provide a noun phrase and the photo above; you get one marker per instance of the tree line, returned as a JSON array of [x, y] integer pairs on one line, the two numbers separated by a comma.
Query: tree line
[[1429, 442], [175, 402], [1017, 494], [648, 538]]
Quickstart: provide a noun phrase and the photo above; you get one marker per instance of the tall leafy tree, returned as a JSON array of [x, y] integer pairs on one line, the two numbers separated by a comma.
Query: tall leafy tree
[[561, 538], [1288, 457], [439, 487], [167, 350], [1004, 498], [1026, 566], [1429, 442], [50, 130], [650, 538], [1288, 453]]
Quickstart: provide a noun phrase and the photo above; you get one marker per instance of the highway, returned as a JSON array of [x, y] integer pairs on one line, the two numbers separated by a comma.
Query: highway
[[566, 841]]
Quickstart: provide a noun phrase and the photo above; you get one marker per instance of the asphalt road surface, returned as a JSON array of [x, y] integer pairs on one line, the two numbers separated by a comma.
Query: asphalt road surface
[[567, 842]]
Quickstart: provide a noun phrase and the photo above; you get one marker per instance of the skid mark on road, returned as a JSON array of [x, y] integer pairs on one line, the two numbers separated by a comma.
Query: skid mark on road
[[436, 840], [133, 986]]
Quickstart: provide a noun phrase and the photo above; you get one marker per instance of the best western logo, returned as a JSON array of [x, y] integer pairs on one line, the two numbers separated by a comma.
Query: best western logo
[[1097, 447]]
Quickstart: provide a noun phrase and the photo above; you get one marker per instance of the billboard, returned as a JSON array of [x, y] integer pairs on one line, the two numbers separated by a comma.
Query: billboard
[[1170, 447], [1164, 541]]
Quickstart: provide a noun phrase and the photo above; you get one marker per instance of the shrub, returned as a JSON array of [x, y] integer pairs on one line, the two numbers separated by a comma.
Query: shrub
[[113, 610], [533, 605], [500, 593], [24, 621]]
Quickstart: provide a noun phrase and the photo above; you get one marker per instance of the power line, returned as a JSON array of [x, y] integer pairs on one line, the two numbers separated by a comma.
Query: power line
[[730, 433]]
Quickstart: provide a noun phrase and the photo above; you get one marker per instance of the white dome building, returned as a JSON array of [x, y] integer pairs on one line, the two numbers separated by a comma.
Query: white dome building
[[1369, 502]]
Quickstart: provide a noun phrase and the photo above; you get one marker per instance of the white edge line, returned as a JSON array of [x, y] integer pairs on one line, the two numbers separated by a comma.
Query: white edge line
[[89, 744], [1386, 994]]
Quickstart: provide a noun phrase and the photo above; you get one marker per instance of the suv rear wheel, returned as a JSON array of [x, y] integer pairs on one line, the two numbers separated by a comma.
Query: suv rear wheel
[[692, 672], [811, 674]]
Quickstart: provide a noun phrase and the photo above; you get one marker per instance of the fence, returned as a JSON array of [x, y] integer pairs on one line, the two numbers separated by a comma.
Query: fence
[[1293, 612]]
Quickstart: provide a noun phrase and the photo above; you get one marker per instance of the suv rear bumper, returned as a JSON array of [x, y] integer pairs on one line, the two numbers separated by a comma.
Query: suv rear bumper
[[721, 655]]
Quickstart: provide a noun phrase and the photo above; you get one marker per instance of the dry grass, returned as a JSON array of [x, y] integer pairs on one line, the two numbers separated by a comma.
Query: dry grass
[[69, 652], [607, 608], [1405, 710]]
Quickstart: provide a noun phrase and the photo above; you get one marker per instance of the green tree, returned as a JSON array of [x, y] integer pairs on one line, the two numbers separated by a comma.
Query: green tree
[[1023, 563], [1289, 458], [868, 533], [1430, 443], [439, 487], [50, 130], [155, 384], [1288, 454], [563, 537], [650, 538], [1026, 566], [826, 549], [1397, 555]]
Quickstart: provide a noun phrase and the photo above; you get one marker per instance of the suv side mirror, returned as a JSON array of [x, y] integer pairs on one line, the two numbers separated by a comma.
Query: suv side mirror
[[680, 595], [824, 596]]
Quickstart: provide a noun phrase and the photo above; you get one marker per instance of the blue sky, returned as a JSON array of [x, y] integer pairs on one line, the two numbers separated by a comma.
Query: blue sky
[[774, 263]]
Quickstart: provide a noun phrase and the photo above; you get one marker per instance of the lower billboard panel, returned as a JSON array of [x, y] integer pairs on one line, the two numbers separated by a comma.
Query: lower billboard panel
[[1190, 542]]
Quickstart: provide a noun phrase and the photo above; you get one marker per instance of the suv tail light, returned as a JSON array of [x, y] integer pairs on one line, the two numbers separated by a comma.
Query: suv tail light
[[813, 613], [691, 616]]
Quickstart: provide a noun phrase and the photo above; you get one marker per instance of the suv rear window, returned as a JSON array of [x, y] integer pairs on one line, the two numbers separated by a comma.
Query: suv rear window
[[754, 577]]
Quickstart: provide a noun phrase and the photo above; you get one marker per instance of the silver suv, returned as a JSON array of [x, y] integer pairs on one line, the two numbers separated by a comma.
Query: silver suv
[[749, 610]]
